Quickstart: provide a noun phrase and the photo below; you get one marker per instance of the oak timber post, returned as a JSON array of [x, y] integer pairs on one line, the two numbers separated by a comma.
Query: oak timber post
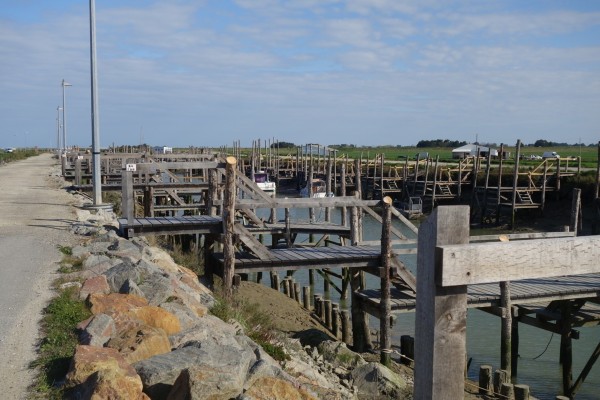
[[386, 309]]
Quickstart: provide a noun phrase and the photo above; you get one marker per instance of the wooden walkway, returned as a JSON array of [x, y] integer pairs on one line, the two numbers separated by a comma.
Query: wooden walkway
[[193, 224], [304, 258], [541, 290]]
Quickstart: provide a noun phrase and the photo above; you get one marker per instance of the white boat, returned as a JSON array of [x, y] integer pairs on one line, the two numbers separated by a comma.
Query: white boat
[[318, 190], [261, 179]]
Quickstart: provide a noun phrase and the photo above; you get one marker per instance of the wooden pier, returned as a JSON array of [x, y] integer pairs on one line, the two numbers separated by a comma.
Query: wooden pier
[[219, 202]]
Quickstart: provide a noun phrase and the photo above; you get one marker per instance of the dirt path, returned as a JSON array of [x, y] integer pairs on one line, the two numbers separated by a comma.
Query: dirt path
[[35, 215]]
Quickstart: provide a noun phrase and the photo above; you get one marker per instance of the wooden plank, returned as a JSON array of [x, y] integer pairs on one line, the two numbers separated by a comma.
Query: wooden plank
[[251, 242], [440, 330], [322, 202], [494, 262]]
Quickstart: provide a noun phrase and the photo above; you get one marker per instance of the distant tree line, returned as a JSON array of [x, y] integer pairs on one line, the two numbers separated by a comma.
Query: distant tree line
[[440, 143], [283, 145], [546, 143]]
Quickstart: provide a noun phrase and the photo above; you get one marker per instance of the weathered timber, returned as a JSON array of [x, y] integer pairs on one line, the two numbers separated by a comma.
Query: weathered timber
[[495, 262]]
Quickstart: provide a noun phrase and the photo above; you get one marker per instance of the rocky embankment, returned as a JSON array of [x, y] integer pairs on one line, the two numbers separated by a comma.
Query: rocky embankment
[[152, 336]]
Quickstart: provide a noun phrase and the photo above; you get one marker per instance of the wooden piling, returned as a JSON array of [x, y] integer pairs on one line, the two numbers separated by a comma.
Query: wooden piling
[[306, 297], [327, 307], [506, 330], [500, 377], [486, 382], [228, 223], [407, 349], [335, 320], [386, 308], [521, 392], [345, 317], [297, 292], [507, 391]]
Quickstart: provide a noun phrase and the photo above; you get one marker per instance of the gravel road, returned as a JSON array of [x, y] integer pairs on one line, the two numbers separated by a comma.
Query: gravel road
[[35, 215]]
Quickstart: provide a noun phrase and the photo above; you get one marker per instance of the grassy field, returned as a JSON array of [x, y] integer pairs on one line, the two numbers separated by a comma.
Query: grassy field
[[18, 154], [589, 155]]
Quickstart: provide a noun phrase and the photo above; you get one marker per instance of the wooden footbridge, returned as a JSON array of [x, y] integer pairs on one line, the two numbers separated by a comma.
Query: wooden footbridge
[[227, 215]]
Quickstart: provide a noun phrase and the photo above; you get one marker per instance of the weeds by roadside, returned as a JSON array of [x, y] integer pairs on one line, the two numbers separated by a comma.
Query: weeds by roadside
[[58, 346]]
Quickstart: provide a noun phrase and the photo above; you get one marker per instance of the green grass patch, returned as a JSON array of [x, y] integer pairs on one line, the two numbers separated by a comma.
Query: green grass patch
[[58, 346]]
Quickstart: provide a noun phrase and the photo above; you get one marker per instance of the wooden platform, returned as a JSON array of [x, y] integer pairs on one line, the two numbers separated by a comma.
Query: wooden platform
[[488, 295], [201, 224], [305, 258]]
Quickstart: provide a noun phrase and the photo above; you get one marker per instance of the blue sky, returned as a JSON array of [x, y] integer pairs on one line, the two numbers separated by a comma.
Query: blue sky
[[364, 72]]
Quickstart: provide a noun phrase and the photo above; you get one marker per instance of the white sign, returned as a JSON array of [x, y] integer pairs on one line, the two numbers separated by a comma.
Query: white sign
[[130, 167]]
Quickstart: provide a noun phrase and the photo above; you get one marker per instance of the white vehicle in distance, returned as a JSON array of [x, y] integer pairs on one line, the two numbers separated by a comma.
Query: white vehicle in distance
[[550, 154]]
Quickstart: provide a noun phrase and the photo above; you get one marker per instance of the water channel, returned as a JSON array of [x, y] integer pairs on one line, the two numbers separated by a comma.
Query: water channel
[[539, 350]]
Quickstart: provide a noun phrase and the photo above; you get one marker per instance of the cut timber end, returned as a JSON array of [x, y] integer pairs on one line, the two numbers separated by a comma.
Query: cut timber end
[[387, 200], [231, 160]]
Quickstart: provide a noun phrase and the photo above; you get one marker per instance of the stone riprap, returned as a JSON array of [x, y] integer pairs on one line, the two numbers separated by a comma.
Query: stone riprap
[[151, 335]]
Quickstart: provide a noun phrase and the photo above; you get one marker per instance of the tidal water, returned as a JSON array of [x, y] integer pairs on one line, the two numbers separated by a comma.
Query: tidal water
[[538, 350]]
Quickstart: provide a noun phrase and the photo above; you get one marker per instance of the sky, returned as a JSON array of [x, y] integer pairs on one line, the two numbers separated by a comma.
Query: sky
[[209, 73]]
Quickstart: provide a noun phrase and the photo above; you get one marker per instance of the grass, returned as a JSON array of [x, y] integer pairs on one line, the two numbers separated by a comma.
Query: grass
[[58, 346], [16, 155], [256, 324], [69, 263]]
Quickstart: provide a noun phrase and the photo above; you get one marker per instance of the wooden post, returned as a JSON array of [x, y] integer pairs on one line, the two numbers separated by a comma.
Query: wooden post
[[499, 193], [440, 331], [228, 222], [127, 199], [327, 307], [576, 215], [386, 308], [306, 297], [514, 345], [328, 189], [297, 292], [212, 193], [276, 282], [515, 184], [486, 383], [566, 347], [500, 377], [345, 327], [521, 392], [407, 349], [507, 391], [335, 318], [77, 171], [506, 331]]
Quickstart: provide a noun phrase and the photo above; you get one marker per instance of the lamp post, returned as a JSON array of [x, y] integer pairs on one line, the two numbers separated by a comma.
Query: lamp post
[[96, 175], [64, 112], [58, 109]]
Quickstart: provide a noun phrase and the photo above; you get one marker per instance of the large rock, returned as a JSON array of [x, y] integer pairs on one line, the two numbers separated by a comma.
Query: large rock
[[157, 317], [130, 287], [114, 302], [141, 343], [126, 249], [186, 316], [90, 359], [374, 379], [159, 373], [110, 384], [337, 354], [97, 331], [207, 327], [96, 284], [201, 382], [137, 272], [274, 388]]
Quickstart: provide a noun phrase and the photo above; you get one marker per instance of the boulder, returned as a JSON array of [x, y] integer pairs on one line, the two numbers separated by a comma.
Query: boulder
[[159, 373], [274, 388], [208, 327], [114, 302], [97, 331], [373, 379], [157, 287], [337, 354], [185, 315], [130, 287], [137, 272], [157, 317], [90, 359], [141, 343], [201, 382], [124, 248], [110, 384], [96, 284]]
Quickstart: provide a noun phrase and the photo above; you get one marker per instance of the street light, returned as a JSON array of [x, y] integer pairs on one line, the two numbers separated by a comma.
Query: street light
[[96, 173], [58, 125], [64, 110]]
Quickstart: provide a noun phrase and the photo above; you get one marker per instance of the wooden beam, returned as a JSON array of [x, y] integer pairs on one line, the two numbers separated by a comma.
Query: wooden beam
[[496, 262], [440, 331]]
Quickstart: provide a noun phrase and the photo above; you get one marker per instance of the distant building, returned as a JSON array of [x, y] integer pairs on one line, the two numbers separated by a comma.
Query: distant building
[[162, 150], [472, 150]]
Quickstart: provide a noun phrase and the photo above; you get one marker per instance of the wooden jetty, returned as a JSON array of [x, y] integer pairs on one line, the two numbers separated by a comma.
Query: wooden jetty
[[220, 202]]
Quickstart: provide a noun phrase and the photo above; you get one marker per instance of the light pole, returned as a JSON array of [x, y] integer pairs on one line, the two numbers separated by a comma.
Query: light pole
[[58, 109], [64, 112], [96, 174]]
